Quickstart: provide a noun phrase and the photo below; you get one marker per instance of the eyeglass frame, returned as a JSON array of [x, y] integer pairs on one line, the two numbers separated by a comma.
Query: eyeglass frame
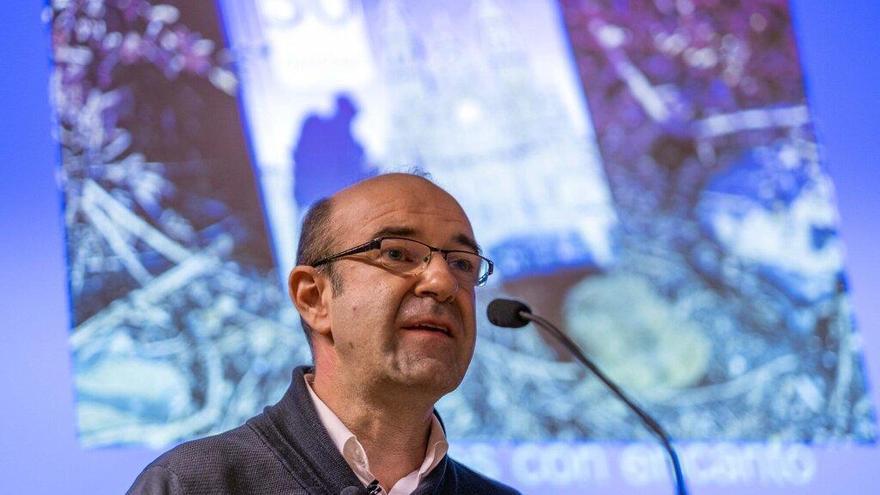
[[376, 243]]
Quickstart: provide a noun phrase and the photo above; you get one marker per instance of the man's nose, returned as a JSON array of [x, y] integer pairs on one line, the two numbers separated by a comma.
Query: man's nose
[[437, 280]]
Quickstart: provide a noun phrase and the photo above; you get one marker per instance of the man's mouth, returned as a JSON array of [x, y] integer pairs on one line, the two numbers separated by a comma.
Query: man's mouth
[[430, 327]]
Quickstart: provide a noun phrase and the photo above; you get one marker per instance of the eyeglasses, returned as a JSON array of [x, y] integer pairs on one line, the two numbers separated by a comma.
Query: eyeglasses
[[410, 257]]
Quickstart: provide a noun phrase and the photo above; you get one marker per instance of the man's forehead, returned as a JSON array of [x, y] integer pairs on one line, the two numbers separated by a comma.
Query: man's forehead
[[402, 190]]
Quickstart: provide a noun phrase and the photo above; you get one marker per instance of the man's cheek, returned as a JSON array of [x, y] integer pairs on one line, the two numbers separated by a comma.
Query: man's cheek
[[467, 308]]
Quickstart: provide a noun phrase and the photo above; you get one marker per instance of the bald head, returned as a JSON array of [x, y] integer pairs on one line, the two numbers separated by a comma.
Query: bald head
[[388, 182], [321, 223]]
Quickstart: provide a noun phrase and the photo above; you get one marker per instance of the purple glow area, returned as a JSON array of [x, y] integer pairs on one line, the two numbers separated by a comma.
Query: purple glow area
[[38, 449]]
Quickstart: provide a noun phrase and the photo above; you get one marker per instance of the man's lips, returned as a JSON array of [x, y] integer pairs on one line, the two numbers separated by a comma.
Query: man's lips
[[440, 327]]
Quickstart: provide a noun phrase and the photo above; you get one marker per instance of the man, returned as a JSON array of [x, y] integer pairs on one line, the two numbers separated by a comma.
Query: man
[[385, 288]]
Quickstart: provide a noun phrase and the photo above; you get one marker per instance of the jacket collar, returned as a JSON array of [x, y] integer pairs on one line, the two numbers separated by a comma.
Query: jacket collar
[[293, 430]]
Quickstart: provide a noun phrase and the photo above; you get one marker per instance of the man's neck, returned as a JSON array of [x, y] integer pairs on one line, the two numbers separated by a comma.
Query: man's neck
[[392, 427]]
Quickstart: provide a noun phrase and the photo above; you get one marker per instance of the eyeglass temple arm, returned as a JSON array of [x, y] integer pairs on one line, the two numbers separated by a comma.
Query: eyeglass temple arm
[[373, 244]]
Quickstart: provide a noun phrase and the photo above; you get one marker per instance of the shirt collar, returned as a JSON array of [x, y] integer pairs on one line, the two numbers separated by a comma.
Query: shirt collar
[[354, 454]]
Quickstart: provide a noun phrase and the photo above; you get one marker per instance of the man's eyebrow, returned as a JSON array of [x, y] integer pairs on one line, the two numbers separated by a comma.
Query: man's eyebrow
[[392, 231], [409, 232], [467, 241]]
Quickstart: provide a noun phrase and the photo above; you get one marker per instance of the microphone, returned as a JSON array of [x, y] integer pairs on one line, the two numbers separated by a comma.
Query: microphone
[[509, 313], [372, 489]]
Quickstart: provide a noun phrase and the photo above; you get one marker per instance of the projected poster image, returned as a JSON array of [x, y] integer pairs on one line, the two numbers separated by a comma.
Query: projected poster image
[[645, 174]]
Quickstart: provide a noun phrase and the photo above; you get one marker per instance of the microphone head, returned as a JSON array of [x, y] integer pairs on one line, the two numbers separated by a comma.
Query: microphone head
[[506, 313]]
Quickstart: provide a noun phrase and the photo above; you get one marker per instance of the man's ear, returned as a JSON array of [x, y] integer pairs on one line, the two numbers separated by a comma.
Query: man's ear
[[309, 291]]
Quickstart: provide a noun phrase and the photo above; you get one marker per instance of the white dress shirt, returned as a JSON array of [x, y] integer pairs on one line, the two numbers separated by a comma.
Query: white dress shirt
[[356, 457]]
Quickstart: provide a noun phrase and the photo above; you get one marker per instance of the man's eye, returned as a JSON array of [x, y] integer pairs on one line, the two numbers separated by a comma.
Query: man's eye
[[462, 265], [395, 254]]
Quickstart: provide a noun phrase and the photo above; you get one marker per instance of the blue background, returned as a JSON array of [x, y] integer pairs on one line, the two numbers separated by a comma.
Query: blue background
[[38, 449]]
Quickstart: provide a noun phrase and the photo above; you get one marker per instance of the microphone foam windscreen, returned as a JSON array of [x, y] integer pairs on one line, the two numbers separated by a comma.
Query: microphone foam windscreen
[[506, 313]]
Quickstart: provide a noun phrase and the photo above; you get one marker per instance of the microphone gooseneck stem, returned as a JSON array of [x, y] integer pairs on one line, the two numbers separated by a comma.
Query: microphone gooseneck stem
[[652, 425]]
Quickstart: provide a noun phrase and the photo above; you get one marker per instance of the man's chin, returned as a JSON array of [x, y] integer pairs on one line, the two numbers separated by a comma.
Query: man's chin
[[429, 375]]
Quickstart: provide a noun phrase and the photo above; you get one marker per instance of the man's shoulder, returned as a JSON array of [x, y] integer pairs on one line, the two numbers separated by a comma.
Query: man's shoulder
[[221, 463], [470, 481], [213, 451]]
